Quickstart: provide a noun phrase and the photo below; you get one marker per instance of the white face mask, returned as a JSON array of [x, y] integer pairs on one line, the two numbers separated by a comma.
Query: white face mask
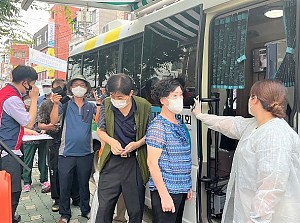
[[27, 102], [175, 105], [249, 107], [119, 103], [47, 91], [79, 91]]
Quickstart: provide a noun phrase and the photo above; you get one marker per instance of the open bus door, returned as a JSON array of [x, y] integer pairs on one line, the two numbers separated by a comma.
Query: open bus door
[[233, 70], [173, 47], [296, 110]]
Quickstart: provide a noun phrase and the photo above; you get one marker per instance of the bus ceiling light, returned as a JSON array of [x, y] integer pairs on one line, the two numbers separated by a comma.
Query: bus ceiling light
[[274, 13]]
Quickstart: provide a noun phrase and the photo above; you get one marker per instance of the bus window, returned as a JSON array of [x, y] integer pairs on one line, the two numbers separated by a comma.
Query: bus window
[[108, 63], [90, 68], [167, 53], [74, 66], [131, 60]]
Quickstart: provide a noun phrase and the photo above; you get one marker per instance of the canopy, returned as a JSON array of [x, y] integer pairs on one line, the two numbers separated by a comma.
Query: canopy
[[181, 27], [122, 5]]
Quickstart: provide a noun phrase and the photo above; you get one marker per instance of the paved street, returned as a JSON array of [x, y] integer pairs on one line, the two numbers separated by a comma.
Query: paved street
[[35, 206]]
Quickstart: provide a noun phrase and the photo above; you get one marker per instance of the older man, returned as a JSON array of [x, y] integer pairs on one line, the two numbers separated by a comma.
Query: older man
[[76, 150]]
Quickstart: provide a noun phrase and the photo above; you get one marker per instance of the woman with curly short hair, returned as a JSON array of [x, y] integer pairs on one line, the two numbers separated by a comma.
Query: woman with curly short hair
[[169, 155]]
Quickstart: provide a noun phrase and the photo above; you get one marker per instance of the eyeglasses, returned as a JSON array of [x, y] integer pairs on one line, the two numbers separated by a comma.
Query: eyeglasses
[[81, 85]]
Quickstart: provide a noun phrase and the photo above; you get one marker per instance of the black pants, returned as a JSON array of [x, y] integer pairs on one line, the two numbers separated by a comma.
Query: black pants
[[66, 168], [121, 175], [10, 165], [53, 150], [167, 217]]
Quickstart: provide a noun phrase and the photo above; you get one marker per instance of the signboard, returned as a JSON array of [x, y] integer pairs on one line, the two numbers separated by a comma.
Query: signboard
[[39, 69], [51, 33], [51, 72], [48, 61]]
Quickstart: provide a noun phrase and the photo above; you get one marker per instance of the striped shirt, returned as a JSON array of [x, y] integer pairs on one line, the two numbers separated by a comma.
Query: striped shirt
[[175, 161]]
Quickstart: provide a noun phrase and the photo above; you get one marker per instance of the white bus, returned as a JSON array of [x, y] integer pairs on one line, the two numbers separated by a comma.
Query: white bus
[[218, 49]]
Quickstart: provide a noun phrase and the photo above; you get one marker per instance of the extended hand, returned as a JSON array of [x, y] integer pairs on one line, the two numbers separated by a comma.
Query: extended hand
[[196, 109]]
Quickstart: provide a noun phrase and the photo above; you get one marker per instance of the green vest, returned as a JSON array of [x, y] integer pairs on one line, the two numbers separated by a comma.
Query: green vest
[[143, 109]]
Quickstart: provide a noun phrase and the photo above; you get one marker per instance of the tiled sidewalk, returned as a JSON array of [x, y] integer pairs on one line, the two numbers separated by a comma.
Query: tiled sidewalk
[[35, 206]]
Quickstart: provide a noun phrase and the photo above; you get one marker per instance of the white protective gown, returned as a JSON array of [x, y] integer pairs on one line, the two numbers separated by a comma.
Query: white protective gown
[[264, 183]]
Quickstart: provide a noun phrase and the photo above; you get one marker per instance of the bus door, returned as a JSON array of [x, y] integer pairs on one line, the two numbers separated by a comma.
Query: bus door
[[172, 47], [245, 48]]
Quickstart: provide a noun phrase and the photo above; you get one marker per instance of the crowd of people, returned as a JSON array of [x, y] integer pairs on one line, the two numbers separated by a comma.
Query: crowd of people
[[137, 149]]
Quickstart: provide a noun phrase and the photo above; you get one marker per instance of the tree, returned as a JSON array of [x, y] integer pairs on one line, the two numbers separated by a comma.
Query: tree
[[11, 26]]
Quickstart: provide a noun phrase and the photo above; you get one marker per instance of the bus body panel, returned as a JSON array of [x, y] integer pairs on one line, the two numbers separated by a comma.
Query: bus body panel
[[137, 26], [211, 9]]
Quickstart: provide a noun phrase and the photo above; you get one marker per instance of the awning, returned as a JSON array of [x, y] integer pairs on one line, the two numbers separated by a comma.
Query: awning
[[181, 27], [122, 5]]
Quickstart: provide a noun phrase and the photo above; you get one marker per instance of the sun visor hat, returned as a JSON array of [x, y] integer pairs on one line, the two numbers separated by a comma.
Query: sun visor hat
[[46, 82], [79, 77]]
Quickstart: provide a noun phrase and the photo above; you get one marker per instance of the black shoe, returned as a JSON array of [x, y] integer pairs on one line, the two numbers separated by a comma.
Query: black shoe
[[76, 202], [16, 219], [87, 215]]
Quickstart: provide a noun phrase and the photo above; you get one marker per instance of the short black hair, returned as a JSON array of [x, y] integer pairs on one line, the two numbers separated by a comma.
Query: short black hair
[[119, 83], [163, 88], [24, 73], [59, 82]]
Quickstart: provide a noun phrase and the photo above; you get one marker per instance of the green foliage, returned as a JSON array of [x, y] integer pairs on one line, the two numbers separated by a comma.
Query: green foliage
[[69, 17], [66, 11], [10, 24]]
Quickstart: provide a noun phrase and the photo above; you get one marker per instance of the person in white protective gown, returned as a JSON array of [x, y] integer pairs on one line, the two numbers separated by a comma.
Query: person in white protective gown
[[264, 185]]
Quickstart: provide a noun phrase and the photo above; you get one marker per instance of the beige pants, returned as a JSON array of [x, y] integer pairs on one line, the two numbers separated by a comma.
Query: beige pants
[[121, 210]]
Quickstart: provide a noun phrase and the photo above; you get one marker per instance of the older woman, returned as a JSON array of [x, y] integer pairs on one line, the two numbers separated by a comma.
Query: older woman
[[169, 155], [265, 178]]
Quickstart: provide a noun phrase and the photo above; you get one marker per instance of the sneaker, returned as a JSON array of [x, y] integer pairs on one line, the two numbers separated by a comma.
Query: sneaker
[[16, 218], [46, 187], [63, 220], [87, 216], [26, 188], [55, 207]]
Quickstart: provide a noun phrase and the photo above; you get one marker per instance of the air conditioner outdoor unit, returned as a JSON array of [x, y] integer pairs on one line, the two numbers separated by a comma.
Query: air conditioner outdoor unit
[[80, 16]]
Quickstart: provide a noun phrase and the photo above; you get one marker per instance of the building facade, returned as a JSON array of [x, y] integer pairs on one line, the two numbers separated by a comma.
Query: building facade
[[90, 22], [54, 38]]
